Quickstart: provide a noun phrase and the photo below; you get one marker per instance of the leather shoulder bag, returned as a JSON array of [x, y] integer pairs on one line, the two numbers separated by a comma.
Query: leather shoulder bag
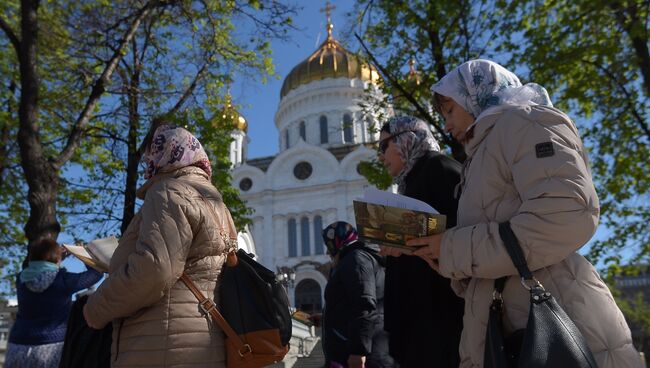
[[550, 338], [254, 309]]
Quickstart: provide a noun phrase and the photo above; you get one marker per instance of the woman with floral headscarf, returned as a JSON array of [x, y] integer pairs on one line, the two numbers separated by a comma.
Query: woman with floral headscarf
[[182, 226], [353, 319], [527, 166], [423, 315]]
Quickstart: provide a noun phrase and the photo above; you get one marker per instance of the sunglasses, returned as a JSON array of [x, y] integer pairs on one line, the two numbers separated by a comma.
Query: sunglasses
[[383, 144]]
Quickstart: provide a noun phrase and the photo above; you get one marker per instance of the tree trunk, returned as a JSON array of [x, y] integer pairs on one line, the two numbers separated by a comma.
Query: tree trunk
[[133, 158], [41, 176], [41, 173]]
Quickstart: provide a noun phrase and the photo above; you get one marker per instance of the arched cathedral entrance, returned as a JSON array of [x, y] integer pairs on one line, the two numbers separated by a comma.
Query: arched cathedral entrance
[[308, 296]]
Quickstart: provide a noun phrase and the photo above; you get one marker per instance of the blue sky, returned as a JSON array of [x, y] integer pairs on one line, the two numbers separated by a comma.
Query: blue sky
[[259, 101]]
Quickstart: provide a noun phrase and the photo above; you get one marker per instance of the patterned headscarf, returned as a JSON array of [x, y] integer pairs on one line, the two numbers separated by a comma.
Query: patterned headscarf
[[414, 142], [173, 148], [478, 85], [338, 235]]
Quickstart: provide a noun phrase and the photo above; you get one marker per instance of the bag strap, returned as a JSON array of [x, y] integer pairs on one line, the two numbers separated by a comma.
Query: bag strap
[[514, 250], [207, 305], [516, 255], [210, 308]]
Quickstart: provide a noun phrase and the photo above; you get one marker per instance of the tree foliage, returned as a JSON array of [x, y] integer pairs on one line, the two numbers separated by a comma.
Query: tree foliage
[[593, 57], [79, 83]]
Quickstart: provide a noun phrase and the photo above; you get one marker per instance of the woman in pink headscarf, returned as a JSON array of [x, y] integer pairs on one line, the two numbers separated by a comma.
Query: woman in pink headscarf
[[182, 226]]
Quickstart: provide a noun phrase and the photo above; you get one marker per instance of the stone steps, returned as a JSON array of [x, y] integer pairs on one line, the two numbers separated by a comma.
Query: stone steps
[[316, 358]]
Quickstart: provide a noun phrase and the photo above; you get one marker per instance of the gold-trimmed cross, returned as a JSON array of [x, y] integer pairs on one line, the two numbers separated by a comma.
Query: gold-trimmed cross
[[328, 11]]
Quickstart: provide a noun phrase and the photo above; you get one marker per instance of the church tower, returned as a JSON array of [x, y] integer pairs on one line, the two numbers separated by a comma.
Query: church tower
[[230, 117], [313, 179]]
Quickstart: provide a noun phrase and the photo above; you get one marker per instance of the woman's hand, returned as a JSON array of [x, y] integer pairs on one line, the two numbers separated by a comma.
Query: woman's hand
[[356, 361], [429, 249], [85, 313], [393, 251]]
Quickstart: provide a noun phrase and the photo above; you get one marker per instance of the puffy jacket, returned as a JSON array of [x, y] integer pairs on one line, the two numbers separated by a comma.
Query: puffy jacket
[[528, 165], [36, 325], [156, 319], [353, 322]]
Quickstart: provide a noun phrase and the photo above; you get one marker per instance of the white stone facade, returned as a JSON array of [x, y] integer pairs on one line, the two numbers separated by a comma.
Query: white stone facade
[[291, 204]]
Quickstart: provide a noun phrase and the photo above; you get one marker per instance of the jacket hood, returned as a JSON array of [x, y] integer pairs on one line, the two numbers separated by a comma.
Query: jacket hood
[[41, 281], [188, 170]]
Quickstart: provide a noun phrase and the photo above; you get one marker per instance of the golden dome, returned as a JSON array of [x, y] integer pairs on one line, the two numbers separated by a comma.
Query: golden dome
[[228, 116], [330, 60]]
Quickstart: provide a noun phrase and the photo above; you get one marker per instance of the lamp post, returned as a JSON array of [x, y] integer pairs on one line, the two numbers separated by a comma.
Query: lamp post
[[286, 276]]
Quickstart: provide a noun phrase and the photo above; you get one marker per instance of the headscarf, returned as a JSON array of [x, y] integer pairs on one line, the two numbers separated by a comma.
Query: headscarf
[[339, 235], [479, 85], [413, 144], [173, 148]]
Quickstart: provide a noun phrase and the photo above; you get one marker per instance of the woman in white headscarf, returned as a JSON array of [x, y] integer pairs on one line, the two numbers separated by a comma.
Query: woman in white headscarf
[[422, 314], [526, 164]]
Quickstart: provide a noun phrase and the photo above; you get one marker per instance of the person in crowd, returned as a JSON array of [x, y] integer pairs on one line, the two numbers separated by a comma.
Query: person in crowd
[[44, 291], [527, 165], [353, 321], [424, 317], [182, 226]]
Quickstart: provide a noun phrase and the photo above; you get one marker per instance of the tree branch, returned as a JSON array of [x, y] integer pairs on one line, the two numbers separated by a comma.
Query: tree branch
[[100, 85], [393, 81], [15, 42], [628, 97]]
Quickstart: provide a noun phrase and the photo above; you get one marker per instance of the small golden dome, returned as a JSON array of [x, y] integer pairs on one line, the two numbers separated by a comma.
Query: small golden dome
[[228, 116], [411, 81], [330, 60]]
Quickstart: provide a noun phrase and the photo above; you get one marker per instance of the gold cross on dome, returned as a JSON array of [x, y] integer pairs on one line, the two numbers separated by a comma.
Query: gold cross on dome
[[328, 12]]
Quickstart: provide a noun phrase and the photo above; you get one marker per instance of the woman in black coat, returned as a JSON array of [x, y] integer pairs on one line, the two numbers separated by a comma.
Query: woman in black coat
[[353, 320], [423, 315]]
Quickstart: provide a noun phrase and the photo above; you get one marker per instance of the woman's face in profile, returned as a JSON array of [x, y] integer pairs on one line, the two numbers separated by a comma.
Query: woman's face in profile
[[391, 158], [457, 120]]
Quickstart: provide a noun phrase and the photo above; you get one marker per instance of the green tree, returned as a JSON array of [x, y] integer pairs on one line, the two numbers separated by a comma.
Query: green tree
[[593, 58], [69, 130]]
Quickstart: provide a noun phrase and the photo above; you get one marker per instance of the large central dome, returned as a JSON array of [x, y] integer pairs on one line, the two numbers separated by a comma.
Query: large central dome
[[330, 60]]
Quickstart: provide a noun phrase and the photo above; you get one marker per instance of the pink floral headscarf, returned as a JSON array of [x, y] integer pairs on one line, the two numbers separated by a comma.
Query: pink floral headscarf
[[173, 148]]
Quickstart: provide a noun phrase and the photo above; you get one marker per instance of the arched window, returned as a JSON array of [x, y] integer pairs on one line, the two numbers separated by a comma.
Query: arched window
[[318, 237], [324, 134], [347, 128], [293, 239], [308, 296], [286, 138], [303, 131], [304, 236]]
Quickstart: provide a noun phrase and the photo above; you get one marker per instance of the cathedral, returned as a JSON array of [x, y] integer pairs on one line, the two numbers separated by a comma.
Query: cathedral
[[312, 181]]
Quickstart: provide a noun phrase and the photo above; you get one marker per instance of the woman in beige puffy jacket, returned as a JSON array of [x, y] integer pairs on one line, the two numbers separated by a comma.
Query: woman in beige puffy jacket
[[156, 319], [526, 164]]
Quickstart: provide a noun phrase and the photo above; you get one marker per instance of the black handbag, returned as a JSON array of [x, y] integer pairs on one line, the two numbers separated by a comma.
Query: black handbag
[[85, 347], [550, 338]]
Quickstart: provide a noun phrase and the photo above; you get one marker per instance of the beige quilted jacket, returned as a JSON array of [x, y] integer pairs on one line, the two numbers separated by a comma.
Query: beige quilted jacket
[[528, 165], [156, 320]]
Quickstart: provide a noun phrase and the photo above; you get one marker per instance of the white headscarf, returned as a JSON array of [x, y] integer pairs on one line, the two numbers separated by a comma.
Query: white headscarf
[[481, 85]]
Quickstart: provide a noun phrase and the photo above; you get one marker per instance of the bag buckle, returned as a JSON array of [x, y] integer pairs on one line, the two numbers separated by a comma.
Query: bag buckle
[[496, 296], [207, 305], [247, 349], [534, 281]]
